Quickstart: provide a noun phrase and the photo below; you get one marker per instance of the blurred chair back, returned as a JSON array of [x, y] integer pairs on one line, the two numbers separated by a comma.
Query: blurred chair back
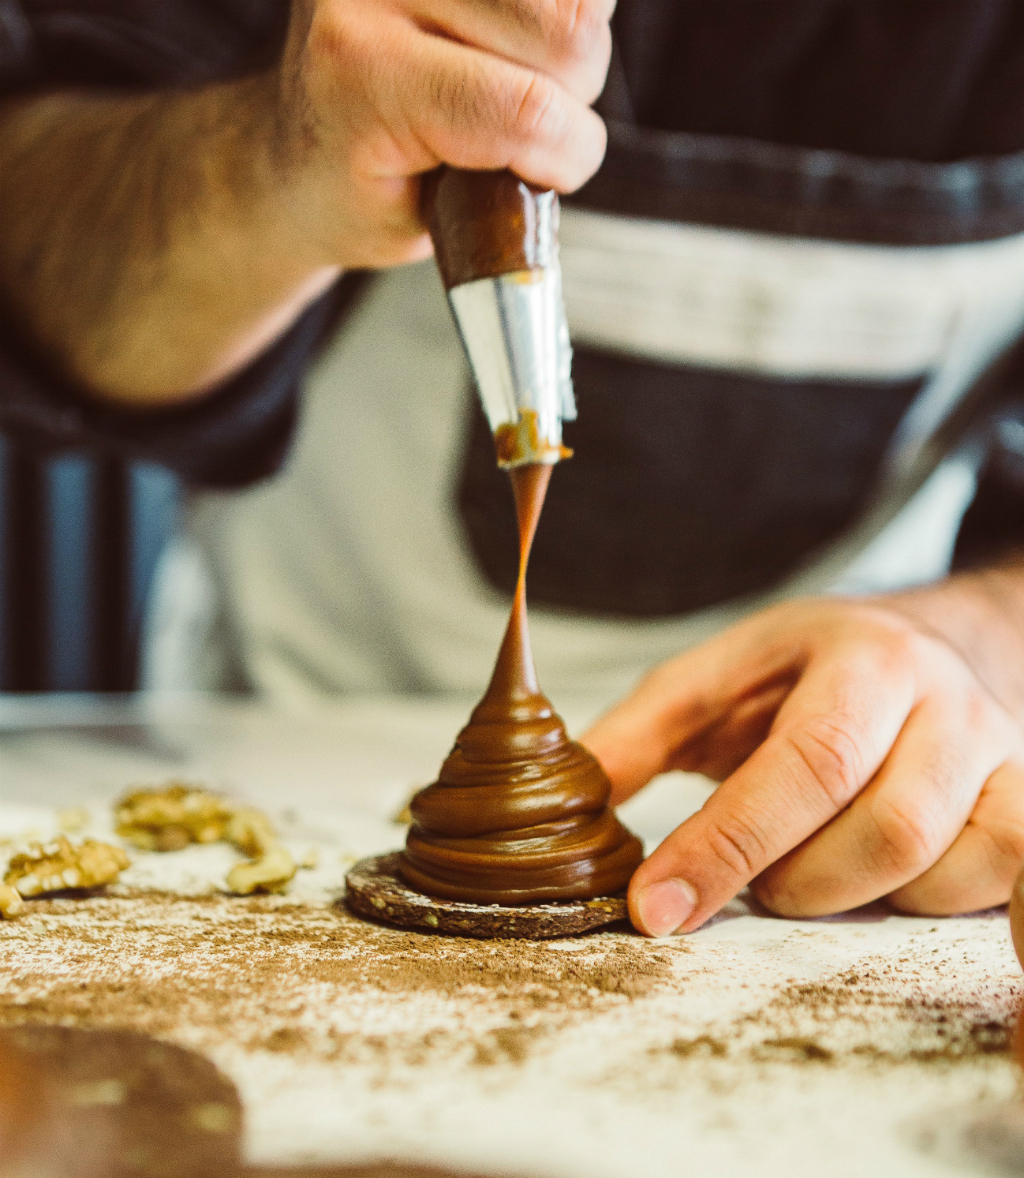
[[80, 537]]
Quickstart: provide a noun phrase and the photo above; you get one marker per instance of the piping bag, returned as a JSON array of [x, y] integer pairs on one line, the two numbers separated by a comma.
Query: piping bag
[[496, 243]]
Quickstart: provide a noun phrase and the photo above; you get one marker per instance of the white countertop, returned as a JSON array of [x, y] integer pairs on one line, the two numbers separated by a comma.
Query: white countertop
[[859, 1045]]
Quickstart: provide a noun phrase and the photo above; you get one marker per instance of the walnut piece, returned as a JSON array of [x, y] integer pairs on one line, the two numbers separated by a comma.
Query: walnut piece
[[59, 865], [270, 867], [11, 902], [170, 818]]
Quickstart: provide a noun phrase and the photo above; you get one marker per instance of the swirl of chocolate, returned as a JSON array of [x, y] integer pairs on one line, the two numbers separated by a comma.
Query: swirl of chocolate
[[519, 812]]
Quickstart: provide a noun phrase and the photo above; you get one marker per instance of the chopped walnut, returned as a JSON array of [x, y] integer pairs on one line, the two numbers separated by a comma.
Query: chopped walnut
[[270, 867], [55, 866], [169, 819], [11, 902]]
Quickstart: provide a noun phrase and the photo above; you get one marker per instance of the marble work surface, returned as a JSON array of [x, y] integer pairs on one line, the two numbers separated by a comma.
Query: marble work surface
[[865, 1044]]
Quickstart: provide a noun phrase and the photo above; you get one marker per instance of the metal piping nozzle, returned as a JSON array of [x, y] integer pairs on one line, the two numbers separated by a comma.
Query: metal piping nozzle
[[496, 240]]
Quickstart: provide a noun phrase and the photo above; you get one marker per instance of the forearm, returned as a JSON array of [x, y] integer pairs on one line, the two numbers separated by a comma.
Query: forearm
[[981, 614], [151, 244]]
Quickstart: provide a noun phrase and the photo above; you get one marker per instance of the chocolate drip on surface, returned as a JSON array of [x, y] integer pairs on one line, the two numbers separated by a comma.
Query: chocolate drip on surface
[[519, 812]]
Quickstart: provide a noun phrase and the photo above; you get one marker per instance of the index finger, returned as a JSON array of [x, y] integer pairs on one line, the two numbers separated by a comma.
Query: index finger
[[829, 739], [568, 39], [474, 110]]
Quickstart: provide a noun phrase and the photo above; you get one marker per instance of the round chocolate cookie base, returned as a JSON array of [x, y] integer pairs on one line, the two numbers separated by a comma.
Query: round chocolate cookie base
[[376, 890]]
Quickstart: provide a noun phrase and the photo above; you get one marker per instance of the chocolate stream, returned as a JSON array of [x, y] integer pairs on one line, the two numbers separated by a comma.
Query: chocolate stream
[[519, 812]]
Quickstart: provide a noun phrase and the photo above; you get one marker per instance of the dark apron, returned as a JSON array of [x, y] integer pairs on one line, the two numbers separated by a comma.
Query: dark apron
[[715, 485]]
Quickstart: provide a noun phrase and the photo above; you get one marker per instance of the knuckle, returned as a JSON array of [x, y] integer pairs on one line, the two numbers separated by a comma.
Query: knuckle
[[594, 77], [830, 750], [536, 109], [986, 719], [889, 647], [899, 652], [332, 36], [892, 644], [739, 846], [978, 719], [916, 899], [1004, 845], [906, 840], [328, 41], [579, 29], [465, 102], [775, 890]]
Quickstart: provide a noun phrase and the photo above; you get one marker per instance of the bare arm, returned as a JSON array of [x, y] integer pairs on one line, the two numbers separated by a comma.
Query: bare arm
[[154, 244], [145, 240]]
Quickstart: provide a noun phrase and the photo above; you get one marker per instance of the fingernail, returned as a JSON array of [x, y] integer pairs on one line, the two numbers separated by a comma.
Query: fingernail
[[664, 906]]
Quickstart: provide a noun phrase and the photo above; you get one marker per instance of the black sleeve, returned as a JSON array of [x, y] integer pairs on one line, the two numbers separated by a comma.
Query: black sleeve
[[241, 432], [16, 45], [236, 435], [142, 44]]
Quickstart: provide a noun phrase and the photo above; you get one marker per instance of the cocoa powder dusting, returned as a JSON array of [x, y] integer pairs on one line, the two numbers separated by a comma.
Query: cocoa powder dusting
[[305, 981], [874, 1015], [349, 1040], [187, 968]]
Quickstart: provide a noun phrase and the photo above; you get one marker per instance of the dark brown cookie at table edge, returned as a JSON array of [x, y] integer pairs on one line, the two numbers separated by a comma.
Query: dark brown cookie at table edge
[[382, 1169], [377, 891], [117, 1104]]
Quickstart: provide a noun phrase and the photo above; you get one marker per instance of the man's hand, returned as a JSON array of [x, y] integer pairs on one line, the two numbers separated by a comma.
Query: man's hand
[[860, 756], [192, 227], [375, 92]]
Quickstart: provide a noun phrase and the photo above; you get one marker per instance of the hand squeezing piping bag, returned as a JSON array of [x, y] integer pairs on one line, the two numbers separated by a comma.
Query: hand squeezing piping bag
[[496, 242]]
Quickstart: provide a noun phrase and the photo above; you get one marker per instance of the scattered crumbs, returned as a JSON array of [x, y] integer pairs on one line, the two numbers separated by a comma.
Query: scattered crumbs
[[881, 1013], [273, 986], [802, 1049], [702, 1045], [312, 981]]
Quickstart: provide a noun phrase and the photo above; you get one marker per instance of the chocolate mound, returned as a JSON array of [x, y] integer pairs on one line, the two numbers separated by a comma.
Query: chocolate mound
[[519, 812]]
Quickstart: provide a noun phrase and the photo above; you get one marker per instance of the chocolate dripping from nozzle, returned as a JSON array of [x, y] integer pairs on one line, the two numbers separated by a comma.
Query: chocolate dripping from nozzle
[[496, 242]]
